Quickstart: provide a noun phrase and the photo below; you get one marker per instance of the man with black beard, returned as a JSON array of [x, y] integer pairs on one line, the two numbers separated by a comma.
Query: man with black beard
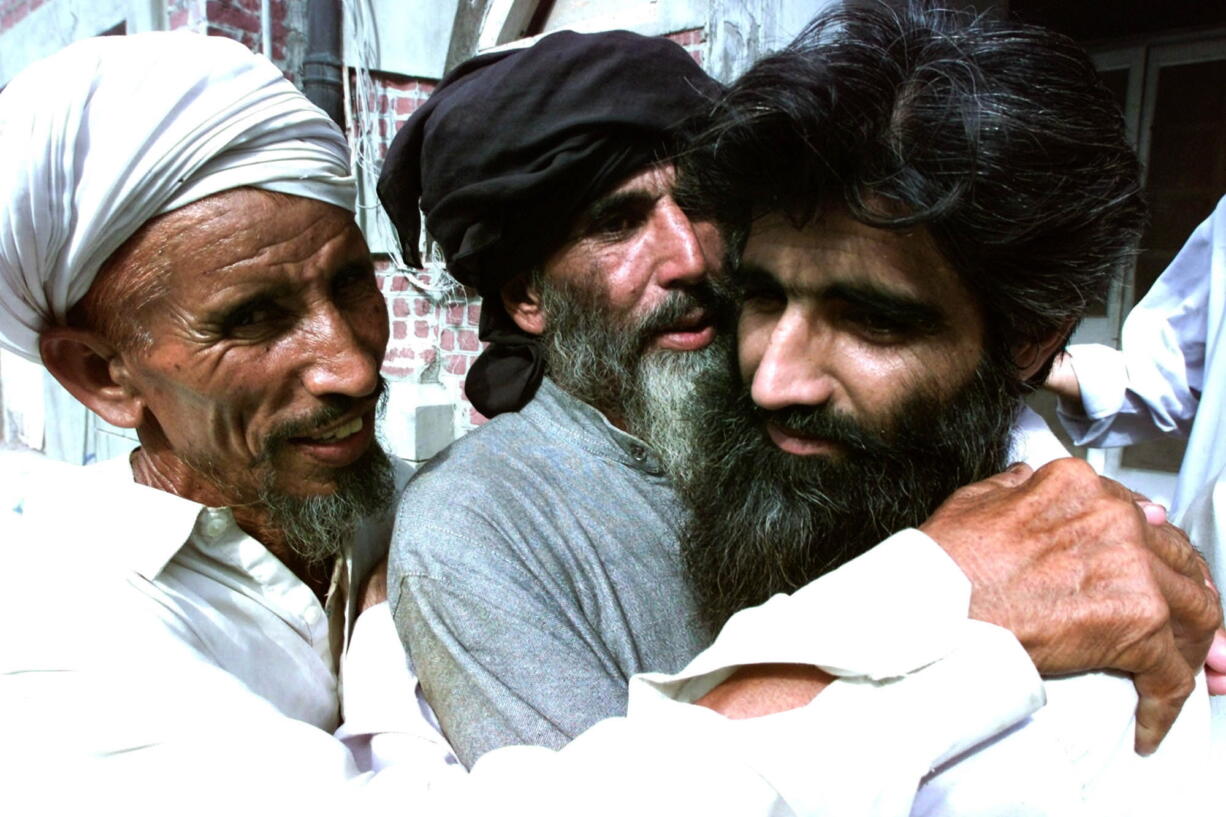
[[923, 206], [535, 564]]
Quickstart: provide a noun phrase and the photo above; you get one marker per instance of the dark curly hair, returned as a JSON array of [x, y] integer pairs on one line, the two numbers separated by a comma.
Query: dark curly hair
[[996, 137]]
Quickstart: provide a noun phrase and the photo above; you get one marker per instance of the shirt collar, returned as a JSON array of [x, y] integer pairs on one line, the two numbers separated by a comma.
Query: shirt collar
[[589, 429], [149, 525]]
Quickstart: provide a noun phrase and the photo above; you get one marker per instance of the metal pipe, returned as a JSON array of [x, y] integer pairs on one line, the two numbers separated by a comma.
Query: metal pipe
[[321, 68]]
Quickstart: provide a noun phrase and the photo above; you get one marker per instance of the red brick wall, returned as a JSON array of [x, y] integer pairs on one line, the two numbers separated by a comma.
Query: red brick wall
[[240, 20], [423, 329], [694, 40], [188, 14], [13, 11]]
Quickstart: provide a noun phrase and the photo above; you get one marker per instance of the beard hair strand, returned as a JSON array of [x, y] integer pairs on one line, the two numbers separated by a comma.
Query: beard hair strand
[[764, 521]]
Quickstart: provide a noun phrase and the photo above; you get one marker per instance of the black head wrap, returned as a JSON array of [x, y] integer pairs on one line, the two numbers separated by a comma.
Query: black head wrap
[[510, 147]]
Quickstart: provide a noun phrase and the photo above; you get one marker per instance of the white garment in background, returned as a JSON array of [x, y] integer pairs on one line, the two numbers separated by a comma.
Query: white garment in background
[[142, 674], [1169, 377]]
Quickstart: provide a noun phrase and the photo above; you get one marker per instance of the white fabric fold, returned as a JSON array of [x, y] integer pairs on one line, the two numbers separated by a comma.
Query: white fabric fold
[[110, 132]]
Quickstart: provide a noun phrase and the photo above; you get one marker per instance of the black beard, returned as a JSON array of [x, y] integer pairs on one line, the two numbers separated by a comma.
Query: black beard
[[766, 522], [609, 364]]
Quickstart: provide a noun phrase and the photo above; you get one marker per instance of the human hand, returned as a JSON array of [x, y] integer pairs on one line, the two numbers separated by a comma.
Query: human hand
[[1215, 664], [1068, 562], [1062, 380]]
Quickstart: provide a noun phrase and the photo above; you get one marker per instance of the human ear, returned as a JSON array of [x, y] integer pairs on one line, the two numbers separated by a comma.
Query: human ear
[[94, 372], [1031, 357], [522, 302]]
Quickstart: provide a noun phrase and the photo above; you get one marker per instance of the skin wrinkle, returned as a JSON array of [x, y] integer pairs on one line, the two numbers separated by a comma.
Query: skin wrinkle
[[270, 326]]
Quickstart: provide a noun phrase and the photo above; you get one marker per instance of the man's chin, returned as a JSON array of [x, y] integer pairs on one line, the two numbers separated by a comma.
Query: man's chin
[[318, 515]]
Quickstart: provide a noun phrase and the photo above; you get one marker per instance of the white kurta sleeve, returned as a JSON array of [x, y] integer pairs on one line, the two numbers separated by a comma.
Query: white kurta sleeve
[[134, 716], [920, 684], [1152, 386]]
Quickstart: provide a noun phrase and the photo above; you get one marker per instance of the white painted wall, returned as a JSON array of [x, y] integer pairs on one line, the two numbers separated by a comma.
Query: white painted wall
[[57, 23], [650, 17], [411, 36]]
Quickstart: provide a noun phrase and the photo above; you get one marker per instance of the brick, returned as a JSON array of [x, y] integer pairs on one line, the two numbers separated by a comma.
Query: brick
[[222, 13], [427, 356], [468, 341], [475, 417], [399, 330], [421, 329], [399, 283], [422, 305], [447, 340], [691, 36], [397, 371], [474, 314], [400, 307], [455, 364], [455, 315]]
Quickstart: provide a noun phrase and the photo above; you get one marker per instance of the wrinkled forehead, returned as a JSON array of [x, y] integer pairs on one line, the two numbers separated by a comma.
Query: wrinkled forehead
[[227, 232], [644, 185]]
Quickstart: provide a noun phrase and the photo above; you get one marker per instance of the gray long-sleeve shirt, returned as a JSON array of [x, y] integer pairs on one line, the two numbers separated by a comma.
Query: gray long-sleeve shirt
[[533, 570]]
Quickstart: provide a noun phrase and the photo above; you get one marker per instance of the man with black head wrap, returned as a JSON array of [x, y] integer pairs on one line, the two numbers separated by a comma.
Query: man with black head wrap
[[535, 565], [599, 318]]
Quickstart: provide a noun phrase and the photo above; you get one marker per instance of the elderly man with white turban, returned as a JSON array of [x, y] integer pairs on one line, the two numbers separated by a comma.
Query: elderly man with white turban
[[177, 247]]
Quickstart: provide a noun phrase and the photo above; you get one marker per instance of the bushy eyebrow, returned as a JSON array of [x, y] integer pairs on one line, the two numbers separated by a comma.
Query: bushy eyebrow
[[887, 304], [892, 306]]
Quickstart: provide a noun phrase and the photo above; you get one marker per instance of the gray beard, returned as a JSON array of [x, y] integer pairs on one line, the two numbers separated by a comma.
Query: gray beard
[[611, 367], [765, 521], [315, 527], [319, 527]]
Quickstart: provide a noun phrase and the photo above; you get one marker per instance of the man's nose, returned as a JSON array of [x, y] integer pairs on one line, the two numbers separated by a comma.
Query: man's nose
[[792, 369], [340, 358], [682, 246]]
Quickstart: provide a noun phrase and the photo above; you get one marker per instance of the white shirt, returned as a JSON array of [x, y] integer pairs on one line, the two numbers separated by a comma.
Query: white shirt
[[1075, 758], [1169, 377], [157, 661]]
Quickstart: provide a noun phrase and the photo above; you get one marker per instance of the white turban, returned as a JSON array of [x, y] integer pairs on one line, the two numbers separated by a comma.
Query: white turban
[[110, 132]]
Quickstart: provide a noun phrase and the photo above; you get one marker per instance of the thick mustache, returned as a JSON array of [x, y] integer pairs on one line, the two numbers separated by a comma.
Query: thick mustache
[[338, 406], [823, 423], [681, 304]]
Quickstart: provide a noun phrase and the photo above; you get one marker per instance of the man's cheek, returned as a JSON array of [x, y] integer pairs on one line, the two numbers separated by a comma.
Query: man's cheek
[[749, 346]]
